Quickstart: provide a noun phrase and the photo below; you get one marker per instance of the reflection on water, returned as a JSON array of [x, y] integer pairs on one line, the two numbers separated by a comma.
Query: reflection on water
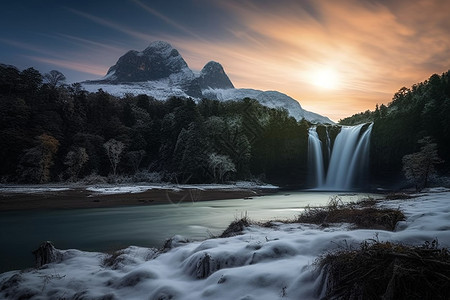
[[108, 229]]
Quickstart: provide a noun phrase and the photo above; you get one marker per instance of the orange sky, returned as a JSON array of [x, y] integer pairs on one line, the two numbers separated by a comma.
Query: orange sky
[[374, 47], [374, 50]]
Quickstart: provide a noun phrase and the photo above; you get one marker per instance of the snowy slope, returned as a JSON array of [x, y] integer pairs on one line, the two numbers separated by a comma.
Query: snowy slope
[[272, 99], [159, 89], [263, 263], [165, 88]]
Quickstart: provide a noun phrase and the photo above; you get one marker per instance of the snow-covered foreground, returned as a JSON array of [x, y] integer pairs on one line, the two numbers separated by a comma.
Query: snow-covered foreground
[[263, 263]]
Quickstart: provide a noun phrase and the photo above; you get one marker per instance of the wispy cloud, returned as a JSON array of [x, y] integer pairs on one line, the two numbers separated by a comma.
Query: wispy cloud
[[28, 47], [87, 68], [375, 48], [113, 25], [169, 21], [92, 45]]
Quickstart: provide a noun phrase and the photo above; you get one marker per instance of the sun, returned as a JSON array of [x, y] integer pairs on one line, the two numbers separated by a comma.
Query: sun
[[326, 79]]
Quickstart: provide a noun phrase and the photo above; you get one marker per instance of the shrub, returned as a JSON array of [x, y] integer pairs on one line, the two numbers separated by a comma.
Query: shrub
[[384, 270], [369, 216]]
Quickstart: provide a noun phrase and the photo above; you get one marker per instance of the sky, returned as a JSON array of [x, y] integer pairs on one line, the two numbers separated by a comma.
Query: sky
[[337, 58]]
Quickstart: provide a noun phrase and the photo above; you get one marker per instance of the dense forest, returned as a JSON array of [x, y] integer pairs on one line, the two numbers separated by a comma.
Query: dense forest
[[414, 113], [54, 132]]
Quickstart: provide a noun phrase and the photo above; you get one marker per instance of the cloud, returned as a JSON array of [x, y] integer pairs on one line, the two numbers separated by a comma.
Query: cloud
[[167, 20], [92, 45], [117, 26], [86, 68], [376, 47], [28, 47]]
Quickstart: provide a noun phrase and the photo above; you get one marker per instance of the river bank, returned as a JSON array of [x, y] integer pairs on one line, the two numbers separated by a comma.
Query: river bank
[[263, 263], [60, 196]]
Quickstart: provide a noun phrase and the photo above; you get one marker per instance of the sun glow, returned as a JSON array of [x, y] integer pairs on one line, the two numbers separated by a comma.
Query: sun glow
[[326, 79]]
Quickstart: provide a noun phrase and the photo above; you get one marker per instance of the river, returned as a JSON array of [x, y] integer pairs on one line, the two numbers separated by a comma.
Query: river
[[109, 229]]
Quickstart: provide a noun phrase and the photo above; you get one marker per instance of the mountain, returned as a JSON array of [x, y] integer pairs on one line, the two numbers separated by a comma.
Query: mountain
[[161, 72], [157, 61], [213, 76], [158, 67]]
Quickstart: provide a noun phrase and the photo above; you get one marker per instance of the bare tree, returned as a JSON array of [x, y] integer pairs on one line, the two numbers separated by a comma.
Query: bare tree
[[114, 150], [420, 166], [54, 78], [75, 159], [220, 165]]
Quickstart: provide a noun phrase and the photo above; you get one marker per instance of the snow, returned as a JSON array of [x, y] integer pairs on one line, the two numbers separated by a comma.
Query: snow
[[263, 263], [173, 86], [109, 189], [123, 189], [159, 89], [272, 99], [161, 47], [110, 76], [31, 189]]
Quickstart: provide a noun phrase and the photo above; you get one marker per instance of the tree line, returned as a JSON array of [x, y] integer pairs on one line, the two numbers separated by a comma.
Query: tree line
[[410, 132], [54, 132]]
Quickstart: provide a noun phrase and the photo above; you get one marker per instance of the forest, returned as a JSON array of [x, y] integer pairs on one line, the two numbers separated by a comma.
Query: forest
[[54, 132], [422, 111]]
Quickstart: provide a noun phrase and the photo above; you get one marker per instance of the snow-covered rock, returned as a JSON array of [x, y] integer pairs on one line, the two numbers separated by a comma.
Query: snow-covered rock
[[213, 76], [263, 263], [159, 60]]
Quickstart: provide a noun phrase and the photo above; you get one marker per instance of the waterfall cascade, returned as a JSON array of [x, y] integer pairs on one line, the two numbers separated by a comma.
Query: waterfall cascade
[[315, 158], [348, 160]]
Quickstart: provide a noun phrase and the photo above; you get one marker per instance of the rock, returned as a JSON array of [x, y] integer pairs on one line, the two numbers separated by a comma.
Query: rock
[[46, 253], [159, 60], [213, 76]]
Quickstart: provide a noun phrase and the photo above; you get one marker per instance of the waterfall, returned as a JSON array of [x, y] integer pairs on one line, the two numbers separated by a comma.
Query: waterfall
[[328, 143], [315, 158], [348, 161], [360, 159]]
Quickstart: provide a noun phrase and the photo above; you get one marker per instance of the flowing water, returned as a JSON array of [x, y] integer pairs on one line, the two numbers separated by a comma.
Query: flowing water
[[348, 162], [110, 229], [315, 158]]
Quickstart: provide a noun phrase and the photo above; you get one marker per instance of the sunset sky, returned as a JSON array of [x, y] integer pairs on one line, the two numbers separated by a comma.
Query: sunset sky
[[336, 57]]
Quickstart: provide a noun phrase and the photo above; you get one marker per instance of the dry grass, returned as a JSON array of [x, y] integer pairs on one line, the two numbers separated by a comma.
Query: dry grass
[[237, 226], [384, 270], [363, 214]]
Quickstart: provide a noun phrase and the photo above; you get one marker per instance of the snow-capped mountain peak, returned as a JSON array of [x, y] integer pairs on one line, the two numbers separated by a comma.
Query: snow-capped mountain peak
[[159, 60]]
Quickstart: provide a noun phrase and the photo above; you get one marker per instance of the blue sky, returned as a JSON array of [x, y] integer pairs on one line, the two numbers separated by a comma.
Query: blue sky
[[336, 57], [93, 34]]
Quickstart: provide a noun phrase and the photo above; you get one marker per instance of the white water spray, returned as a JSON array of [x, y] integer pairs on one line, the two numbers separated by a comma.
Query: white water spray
[[315, 158], [348, 161]]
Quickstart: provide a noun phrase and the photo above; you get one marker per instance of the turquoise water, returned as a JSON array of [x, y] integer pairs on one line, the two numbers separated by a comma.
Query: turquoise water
[[109, 229]]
